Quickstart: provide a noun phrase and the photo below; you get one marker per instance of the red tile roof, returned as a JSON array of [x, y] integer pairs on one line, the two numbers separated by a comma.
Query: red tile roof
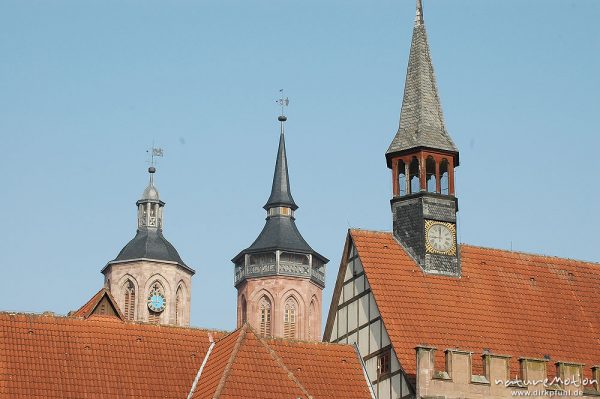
[[244, 365], [102, 356], [510, 303], [65, 357]]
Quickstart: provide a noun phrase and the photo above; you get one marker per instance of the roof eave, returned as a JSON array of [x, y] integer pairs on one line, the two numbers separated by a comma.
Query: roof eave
[[182, 265], [389, 155]]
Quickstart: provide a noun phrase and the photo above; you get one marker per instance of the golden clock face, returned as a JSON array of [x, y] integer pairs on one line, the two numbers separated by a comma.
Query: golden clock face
[[440, 237]]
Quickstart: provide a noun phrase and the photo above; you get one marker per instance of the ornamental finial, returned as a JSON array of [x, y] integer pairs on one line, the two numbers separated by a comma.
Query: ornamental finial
[[283, 102], [154, 152]]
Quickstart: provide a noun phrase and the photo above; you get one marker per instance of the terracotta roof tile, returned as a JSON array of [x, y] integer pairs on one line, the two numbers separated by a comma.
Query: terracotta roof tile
[[103, 356], [243, 365], [336, 373], [65, 357], [510, 303]]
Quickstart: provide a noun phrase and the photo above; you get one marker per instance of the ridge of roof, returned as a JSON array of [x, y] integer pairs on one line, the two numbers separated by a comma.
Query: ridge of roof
[[505, 251], [227, 370], [224, 333], [233, 360], [282, 364]]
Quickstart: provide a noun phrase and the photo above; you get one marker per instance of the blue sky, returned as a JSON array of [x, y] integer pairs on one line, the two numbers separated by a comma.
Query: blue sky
[[86, 87]]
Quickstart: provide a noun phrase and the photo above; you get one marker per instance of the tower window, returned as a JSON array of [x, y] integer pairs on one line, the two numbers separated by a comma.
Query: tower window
[[289, 319], [444, 176], [129, 302], [402, 187], [415, 184], [244, 310], [311, 322], [286, 257], [179, 306], [153, 317], [265, 317], [430, 175]]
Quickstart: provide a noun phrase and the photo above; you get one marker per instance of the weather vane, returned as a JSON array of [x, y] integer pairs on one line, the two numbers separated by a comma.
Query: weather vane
[[283, 102], [155, 152]]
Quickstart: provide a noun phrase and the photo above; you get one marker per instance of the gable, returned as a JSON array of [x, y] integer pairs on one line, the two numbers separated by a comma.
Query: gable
[[509, 303], [244, 365], [101, 304], [354, 318]]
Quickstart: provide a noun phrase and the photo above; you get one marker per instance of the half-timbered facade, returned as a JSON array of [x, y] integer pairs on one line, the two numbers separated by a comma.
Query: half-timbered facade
[[355, 319]]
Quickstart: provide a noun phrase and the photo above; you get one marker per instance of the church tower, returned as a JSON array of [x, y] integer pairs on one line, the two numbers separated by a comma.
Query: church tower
[[422, 157], [148, 279], [280, 278]]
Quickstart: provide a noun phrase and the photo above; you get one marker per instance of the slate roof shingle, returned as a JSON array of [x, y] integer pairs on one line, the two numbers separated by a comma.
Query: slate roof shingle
[[421, 117]]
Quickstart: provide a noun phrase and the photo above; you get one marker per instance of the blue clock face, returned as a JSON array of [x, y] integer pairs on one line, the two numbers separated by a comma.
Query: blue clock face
[[156, 302]]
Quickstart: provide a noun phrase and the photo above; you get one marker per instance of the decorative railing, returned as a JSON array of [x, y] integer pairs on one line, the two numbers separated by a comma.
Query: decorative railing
[[285, 268], [318, 275]]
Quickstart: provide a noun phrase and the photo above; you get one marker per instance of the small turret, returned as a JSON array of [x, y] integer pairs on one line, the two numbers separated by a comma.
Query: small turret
[[148, 278]]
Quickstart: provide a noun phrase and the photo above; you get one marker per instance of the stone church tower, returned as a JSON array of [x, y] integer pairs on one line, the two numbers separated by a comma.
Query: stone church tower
[[280, 278], [422, 157], [148, 279]]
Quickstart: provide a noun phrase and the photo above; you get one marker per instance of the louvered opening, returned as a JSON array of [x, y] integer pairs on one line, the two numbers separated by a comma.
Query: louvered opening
[[129, 307], [153, 317], [265, 317], [178, 306], [289, 319]]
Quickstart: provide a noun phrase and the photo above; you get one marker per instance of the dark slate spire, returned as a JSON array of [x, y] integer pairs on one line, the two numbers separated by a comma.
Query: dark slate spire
[[280, 232], [421, 119], [280, 191]]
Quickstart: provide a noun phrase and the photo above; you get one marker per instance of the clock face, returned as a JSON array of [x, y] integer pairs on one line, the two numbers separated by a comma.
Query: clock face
[[156, 302], [440, 237]]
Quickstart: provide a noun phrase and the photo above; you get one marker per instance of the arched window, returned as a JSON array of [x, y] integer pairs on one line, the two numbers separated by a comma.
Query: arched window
[[444, 176], [430, 175], [415, 184], [311, 321], [403, 190], [265, 316], [129, 301], [156, 302], [179, 306], [289, 318], [244, 306]]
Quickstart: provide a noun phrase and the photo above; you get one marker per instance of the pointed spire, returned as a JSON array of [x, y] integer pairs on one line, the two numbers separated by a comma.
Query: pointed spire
[[280, 191], [421, 118], [419, 17]]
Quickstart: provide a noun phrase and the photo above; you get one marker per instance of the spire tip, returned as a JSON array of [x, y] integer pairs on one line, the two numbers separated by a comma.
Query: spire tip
[[419, 16]]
